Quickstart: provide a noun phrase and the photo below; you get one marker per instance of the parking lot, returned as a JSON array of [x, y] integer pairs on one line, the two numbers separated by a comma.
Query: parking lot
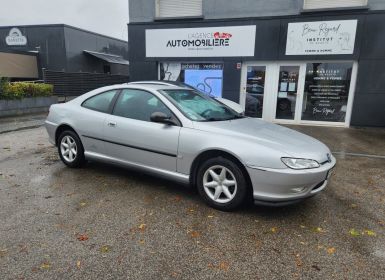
[[105, 222]]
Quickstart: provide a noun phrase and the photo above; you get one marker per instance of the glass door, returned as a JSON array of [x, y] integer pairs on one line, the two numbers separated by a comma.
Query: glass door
[[255, 89], [289, 91]]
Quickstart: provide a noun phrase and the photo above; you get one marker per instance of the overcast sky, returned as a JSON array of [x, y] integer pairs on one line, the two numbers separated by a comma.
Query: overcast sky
[[108, 17]]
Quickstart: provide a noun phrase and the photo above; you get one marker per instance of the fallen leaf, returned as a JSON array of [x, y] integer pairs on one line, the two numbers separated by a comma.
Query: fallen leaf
[[78, 264], [82, 237], [319, 230], [354, 232], [3, 252], [353, 205], [194, 234], [45, 265], [142, 227], [210, 216], [274, 229], [331, 250], [224, 266], [141, 241], [82, 204], [298, 260], [105, 249], [369, 232]]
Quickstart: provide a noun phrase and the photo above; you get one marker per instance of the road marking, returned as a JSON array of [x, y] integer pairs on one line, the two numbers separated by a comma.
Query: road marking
[[357, 155]]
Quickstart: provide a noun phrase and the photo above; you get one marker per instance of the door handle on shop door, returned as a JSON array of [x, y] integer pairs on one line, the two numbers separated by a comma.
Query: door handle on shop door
[[112, 124]]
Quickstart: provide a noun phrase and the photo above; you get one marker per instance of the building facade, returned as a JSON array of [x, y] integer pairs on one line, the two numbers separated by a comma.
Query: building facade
[[286, 61], [62, 54]]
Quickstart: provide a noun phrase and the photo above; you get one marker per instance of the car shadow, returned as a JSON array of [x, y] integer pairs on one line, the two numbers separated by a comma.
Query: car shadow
[[187, 192]]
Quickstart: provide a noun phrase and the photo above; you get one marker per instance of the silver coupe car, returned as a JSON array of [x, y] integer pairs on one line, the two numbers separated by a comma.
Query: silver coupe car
[[187, 136]]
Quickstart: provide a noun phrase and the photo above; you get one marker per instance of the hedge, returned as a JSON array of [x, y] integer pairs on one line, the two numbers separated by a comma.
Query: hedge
[[19, 90]]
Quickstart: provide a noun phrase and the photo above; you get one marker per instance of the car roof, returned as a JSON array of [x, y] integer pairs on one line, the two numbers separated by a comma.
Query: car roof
[[153, 86], [156, 82]]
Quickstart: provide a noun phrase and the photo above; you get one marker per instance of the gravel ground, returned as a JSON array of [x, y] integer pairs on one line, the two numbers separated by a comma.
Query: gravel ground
[[104, 222]]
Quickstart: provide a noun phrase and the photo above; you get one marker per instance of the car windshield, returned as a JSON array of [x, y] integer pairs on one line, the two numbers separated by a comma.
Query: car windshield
[[199, 107]]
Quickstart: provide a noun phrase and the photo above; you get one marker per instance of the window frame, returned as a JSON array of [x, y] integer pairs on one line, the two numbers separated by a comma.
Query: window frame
[[116, 98], [304, 11], [157, 16], [110, 106]]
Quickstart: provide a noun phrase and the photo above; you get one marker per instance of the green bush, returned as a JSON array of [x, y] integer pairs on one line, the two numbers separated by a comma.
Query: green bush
[[19, 90]]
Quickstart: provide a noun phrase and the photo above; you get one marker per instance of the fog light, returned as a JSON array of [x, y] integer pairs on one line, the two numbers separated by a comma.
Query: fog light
[[298, 190]]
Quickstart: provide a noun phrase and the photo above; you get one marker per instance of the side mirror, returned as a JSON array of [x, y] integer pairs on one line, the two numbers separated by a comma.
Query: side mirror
[[160, 117]]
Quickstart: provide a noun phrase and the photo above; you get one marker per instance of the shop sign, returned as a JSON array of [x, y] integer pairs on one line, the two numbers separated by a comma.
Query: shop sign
[[321, 37], [201, 42], [16, 38]]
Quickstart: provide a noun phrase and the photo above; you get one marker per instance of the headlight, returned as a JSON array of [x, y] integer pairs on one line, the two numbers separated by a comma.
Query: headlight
[[300, 163]]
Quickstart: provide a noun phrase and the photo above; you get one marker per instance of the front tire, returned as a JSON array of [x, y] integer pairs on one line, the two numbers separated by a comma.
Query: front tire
[[221, 183], [70, 149]]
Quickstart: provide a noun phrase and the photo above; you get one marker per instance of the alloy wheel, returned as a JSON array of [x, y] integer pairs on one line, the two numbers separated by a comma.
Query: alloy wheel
[[219, 184], [68, 148]]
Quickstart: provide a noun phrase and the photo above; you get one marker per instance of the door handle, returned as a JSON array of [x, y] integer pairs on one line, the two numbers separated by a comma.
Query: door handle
[[112, 124]]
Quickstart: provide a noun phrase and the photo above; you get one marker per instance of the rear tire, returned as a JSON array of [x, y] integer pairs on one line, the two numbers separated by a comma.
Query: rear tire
[[70, 149], [221, 184]]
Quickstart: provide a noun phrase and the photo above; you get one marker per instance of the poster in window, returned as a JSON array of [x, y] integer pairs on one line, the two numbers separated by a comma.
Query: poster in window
[[206, 77], [326, 91]]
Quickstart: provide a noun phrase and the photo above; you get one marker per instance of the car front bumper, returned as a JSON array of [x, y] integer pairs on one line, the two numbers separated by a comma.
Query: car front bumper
[[286, 186]]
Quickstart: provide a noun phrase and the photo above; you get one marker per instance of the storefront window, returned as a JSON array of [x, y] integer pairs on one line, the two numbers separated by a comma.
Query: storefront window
[[255, 88], [287, 92], [206, 77], [326, 91]]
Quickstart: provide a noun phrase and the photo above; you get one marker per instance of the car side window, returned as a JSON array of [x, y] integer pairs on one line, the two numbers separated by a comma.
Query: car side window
[[138, 105], [100, 102]]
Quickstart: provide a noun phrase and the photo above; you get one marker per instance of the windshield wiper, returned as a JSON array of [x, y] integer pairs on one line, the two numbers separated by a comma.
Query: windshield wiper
[[214, 120]]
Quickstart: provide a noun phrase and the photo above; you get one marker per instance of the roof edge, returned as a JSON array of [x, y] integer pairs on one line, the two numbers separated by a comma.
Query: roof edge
[[66, 26]]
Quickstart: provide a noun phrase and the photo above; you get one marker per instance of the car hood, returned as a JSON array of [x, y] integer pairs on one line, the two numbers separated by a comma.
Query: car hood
[[289, 142]]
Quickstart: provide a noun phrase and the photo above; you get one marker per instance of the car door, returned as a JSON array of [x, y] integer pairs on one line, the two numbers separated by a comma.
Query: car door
[[90, 119], [131, 136]]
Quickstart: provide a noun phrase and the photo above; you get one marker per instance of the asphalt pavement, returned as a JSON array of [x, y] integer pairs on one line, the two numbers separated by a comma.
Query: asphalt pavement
[[15, 123], [105, 222]]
